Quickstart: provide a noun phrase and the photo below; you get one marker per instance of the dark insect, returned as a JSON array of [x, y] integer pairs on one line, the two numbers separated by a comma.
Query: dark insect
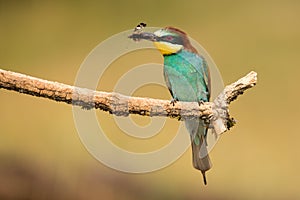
[[143, 24], [140, 26]]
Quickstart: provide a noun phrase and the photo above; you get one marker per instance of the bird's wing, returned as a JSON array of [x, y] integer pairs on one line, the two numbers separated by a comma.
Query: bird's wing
[[167, 80], [206, 76], [202, 69]]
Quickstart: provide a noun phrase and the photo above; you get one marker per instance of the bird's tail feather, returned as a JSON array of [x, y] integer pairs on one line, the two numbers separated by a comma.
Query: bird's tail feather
[[201, 160], [198, 132]]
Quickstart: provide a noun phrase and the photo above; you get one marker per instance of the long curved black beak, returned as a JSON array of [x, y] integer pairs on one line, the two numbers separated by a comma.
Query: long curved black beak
[[143, 36]]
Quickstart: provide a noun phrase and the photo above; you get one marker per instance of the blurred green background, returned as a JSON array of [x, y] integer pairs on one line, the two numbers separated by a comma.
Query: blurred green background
[[41, 156]]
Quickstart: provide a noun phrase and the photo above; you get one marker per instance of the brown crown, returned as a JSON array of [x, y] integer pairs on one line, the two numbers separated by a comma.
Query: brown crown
[[186, 42]]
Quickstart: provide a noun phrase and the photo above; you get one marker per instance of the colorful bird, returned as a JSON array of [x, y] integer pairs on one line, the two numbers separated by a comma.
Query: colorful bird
[[187, 76]]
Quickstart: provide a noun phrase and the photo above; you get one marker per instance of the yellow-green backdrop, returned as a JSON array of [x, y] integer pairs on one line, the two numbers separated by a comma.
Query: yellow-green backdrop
[[41, 156]]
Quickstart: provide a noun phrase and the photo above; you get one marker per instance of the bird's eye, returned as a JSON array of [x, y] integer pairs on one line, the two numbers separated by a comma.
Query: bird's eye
[[169, 38]]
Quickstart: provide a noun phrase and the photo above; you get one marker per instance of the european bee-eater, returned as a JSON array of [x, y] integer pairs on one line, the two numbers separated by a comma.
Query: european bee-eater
[[187, 76]]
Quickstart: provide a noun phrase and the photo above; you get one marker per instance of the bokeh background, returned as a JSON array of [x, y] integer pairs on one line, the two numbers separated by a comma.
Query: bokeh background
[[41, 156]]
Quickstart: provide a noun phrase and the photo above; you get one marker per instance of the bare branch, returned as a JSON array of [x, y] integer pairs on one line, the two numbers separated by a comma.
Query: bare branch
[[122, 105], [221, 120]]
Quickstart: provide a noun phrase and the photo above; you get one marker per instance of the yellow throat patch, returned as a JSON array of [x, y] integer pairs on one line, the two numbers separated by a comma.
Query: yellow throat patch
[[167, 48]]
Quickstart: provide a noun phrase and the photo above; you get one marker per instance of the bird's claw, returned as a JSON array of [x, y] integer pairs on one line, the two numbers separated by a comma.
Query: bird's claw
[[201, 102], [173, 101]]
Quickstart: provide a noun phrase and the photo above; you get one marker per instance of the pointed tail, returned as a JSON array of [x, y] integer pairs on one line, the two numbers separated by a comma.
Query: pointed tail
[[201, 160]]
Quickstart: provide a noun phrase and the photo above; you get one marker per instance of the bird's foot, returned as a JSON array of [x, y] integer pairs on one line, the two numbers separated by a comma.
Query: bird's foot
[[173, 101], [201, 102]]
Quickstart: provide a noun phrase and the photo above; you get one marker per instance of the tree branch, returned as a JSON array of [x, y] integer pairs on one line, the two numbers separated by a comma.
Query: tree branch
[[122, 105]]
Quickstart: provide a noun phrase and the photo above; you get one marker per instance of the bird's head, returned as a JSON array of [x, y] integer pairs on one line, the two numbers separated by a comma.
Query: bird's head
[[168, 40]]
